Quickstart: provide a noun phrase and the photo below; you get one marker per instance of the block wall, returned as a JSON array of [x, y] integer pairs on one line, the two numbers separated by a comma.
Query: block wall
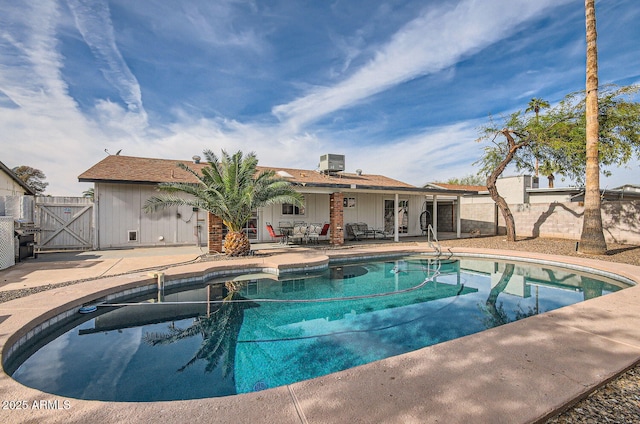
[[620, 220], [478, 217]]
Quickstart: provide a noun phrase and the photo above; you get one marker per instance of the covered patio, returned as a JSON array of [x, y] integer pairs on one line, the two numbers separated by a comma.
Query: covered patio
[[389, 213]]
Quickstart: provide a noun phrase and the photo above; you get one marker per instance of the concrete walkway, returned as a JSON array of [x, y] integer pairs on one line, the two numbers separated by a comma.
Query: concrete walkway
[[517, 373]]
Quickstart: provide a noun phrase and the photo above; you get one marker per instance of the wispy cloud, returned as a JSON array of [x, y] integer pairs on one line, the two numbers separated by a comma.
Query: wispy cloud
[[217, 23], [42, 123], [93, 21], [30, 61], [435, 40]]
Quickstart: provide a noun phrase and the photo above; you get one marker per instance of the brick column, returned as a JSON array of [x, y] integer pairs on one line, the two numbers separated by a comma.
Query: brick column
[[336, 219], [214, 240]]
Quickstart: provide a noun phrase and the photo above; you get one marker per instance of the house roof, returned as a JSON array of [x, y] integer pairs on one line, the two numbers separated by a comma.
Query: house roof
[[457, 186], [13, 176], [129, 169]]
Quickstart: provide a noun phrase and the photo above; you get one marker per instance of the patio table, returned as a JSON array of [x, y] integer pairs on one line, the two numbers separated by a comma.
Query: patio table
[[286, 232]]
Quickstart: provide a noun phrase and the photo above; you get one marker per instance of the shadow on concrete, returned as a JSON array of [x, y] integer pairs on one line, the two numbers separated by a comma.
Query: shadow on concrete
[[63, 257]]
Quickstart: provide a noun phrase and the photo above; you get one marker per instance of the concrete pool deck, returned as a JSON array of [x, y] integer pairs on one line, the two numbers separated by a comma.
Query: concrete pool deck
[[518, 373]]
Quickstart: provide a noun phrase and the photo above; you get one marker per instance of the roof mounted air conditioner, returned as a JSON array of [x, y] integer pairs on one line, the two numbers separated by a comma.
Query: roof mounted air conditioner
[[330, 164]]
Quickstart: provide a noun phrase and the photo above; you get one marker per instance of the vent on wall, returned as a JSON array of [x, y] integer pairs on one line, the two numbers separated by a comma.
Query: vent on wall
[[132, 235]]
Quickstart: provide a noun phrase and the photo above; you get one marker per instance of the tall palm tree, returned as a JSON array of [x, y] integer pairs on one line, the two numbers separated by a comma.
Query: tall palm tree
[[592, 237], [535, 104], [231, 188]]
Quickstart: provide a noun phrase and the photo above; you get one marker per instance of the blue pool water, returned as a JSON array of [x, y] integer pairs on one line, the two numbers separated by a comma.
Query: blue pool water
[[208, 341]]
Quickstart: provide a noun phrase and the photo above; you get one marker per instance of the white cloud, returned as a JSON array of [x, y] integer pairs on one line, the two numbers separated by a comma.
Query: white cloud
[[44, 128], [31, 63], [435, 40], [93, 21]]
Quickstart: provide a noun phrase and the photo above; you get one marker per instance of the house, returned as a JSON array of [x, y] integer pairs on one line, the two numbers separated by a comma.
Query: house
[[548, 212], [123, 183], [11, 185]]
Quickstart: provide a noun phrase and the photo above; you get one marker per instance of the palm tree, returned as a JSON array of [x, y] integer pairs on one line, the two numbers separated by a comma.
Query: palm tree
[[229, 187], [535, 104], [592, 237], [548, 168], [89, 194]]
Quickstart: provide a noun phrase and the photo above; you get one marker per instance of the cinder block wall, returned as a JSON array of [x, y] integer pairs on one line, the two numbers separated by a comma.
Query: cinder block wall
[[478, 217], [620, 220], [446, 219]]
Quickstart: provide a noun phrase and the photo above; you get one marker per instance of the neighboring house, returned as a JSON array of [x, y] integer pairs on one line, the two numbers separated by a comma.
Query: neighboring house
[[11, 185], [548, 212], [123, 183]]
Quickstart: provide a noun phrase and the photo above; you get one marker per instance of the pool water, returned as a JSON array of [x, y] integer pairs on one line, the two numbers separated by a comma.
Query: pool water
[[258, 332]]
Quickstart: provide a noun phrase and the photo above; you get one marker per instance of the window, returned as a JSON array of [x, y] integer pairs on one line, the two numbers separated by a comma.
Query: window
[[289, 209], [349, 202], [132, 235]]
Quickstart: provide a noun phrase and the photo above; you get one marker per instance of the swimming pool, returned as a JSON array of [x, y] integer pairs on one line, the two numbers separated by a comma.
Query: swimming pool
[[192, 344]]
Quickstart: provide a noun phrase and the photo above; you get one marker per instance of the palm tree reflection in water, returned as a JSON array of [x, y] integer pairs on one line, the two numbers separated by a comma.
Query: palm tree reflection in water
[[219, 330]]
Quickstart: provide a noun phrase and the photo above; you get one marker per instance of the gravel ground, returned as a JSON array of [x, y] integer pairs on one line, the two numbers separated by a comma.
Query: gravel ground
[[619, 400]]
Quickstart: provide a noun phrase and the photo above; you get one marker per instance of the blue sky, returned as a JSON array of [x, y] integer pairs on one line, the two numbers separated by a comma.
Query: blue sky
[[399, 87]]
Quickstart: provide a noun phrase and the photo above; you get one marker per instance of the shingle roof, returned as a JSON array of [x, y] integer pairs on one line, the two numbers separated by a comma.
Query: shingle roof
[[459, 186], [129, 169]]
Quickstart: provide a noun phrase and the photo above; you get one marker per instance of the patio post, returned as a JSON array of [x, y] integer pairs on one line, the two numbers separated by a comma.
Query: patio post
[[214, 240], [458, 218], [435, 215], [396, 236], [336, 219]]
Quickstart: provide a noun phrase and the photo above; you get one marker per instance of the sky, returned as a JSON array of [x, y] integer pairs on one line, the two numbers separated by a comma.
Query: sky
[[400, 87]]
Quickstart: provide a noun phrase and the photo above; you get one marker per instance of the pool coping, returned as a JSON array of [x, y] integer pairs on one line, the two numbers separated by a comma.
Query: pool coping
[[520, 372]]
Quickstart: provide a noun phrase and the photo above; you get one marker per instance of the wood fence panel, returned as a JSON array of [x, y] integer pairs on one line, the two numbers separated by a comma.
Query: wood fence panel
[[66, 223]]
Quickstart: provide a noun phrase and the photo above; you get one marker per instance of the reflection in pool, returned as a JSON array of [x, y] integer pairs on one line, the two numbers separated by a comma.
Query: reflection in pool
[[255, 332]]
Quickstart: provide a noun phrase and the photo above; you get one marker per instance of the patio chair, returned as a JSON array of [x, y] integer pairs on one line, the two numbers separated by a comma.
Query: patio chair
[[313, 232], [325, 230], [299, 232], [354, 232], [282, 238]]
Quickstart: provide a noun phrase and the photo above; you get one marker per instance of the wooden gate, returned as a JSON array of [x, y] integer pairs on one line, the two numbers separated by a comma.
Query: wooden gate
[[65, 223]]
